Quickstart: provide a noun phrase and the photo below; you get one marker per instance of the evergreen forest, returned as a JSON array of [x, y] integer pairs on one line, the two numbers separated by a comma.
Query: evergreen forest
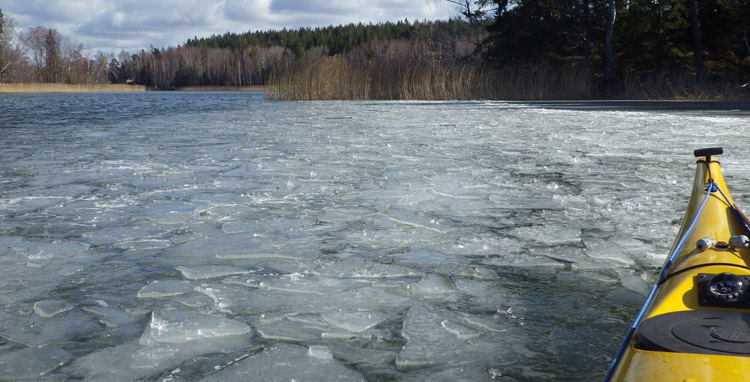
[[499, 49]]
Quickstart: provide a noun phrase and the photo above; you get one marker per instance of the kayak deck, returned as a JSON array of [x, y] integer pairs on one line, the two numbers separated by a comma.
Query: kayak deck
[[695, 324]]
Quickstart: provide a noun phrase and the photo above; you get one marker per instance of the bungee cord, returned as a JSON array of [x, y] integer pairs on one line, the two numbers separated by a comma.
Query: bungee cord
[[711, 186]]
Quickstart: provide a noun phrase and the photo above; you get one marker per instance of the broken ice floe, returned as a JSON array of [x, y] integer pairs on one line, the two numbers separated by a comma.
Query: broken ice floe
[[290, 363], [353, 321], [51, 308], [35, 330], [433, 286], [172, 337], [432, 334], [180, 327], [32, 363], [165, 288], [209, 271]]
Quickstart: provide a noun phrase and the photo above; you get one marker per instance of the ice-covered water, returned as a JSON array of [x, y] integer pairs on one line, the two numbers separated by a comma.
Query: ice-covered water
[[223, 237]]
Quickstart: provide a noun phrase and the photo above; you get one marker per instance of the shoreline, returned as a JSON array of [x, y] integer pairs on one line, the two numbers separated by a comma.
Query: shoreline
[[67, 88], [221, 88], [739, 105], [110, 88]]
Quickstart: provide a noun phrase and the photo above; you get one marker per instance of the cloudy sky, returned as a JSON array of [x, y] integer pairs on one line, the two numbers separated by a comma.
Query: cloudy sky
[[112, 25]]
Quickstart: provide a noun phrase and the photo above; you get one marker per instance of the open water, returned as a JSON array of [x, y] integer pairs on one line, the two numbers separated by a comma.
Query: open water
[[223, 237]]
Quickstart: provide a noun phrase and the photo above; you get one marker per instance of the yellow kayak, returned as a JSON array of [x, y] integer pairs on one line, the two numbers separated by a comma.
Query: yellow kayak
[[695, 323]]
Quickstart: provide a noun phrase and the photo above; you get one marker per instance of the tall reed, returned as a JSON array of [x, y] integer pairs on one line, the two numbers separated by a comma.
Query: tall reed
[[329, 78], [338, 78], [419, 78], [680, 86]]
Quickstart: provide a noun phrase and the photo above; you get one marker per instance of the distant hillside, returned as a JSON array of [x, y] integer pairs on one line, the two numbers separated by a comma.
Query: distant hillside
[[337, 39]]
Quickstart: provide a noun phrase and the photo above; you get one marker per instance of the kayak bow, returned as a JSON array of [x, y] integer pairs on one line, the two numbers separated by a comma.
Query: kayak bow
[[695, 323]]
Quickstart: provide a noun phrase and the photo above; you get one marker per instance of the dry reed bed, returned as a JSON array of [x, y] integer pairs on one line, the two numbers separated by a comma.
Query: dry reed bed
[[333, 78], [337, 77], [65, 88], [681, 87]]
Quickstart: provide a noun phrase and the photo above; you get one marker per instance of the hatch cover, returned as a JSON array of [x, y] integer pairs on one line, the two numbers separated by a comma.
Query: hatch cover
[[720, 332]]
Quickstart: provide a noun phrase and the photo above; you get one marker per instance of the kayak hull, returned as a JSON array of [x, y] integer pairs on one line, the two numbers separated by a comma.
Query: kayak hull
[[642, 365]]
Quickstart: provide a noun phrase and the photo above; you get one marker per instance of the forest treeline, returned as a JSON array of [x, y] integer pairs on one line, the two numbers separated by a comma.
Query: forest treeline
[[499, 49]]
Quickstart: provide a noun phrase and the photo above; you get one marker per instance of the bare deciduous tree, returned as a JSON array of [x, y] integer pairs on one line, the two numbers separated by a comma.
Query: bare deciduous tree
[[474, 11], [34, 39], [11, 53], [51, 53]]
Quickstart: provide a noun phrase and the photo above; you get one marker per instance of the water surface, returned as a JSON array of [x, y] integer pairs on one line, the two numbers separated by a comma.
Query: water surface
[[221, 236]]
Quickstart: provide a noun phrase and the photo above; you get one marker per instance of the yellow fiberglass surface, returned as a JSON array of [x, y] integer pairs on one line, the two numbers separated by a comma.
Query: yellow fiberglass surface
[[695, 323]]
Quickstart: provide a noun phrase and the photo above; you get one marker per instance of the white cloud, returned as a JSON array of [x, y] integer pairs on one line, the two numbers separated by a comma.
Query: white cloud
[[137, 24], [250, 12], [117, 19]]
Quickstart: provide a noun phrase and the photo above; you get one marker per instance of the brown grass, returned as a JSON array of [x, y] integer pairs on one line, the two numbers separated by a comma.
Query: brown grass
[[329, 78], [64, 88], [542, 82], [338, 78], [680, 87]]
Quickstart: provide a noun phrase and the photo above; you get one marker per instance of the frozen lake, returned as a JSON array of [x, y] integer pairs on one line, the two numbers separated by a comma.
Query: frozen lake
[[223, 237]]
